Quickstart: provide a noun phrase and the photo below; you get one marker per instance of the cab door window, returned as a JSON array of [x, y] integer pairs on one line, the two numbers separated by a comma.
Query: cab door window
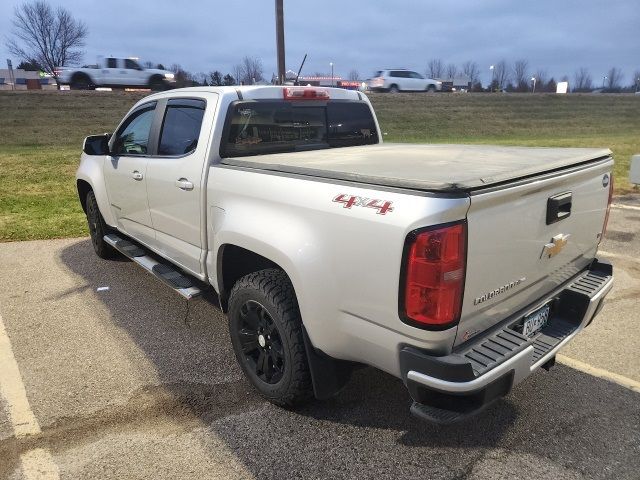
[[181, 126], [132, 138], [131, 64]]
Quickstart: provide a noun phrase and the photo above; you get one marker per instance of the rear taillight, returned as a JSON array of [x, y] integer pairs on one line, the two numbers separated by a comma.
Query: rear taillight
[[606, 217], [432, 281]]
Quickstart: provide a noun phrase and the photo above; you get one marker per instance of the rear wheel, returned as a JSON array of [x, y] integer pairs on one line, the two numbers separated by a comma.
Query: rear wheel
[[393, 89], [98, 228], [266, 332], [431, 88], [80, 82]]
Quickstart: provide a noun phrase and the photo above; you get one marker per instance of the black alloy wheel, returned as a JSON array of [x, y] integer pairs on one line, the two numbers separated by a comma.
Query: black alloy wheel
[[267, 335], [261, 342]]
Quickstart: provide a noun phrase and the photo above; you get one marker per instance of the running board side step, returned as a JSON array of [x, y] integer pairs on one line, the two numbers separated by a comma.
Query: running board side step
[[178, 281]]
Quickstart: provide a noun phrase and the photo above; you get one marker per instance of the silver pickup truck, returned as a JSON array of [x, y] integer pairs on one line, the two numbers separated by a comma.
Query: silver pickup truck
[[459, 269]]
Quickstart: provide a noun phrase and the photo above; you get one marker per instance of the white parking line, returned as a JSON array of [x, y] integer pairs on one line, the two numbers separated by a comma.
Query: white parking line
[[35, 463], [600, 373], [618, 255], [624, 207]]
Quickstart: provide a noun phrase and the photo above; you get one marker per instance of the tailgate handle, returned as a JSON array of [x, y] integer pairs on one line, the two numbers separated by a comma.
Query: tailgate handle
[[558, 207]]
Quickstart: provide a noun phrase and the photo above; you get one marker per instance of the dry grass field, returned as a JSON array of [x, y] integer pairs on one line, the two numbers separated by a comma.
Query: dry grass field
[[41, 135]]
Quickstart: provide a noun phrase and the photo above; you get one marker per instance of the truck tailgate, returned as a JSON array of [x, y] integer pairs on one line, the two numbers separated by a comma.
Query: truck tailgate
[[526, 239]]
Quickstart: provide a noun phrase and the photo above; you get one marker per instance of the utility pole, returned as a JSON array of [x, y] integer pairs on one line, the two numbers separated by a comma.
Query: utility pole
[[280, 41]]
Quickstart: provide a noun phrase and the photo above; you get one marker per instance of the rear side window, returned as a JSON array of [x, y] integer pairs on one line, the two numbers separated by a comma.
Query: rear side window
[[260, 127], [131, 64], [181, 126], [111, 63]]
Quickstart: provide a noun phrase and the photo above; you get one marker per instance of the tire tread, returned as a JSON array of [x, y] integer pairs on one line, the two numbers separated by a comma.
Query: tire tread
[[276, 286]]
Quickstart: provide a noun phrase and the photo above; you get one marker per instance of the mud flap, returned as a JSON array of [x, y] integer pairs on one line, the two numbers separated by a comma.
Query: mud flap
[[328, 375]]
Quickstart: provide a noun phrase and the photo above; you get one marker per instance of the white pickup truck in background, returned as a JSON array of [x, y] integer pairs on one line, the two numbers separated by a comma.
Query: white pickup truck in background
[[459, 269], [116, 72]]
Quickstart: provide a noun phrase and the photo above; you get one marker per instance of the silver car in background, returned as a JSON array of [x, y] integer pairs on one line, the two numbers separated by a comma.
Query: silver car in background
[[402, 80]]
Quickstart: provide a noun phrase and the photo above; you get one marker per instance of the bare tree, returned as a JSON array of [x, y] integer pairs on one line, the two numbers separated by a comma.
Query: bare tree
[[249, 70], [201, 78], [354, 75], [215, 79], [471, 71], [435, 68], [30, 66], [237, 73], [521, 75], [541, 79], [635, 84], [452, 70], [551, 86], [52, 37], [182, 77], [613, 79], [501, 74], [582, 80]]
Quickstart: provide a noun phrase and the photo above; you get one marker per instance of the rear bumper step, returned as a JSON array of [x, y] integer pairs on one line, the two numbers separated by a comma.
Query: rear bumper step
[[449, 388], [178, 281]]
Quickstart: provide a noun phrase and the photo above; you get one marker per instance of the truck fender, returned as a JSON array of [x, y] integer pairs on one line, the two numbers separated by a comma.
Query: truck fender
[[90, 177]]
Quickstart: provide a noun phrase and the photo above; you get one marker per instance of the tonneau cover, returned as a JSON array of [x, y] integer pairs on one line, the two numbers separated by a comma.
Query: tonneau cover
[[440, 168]]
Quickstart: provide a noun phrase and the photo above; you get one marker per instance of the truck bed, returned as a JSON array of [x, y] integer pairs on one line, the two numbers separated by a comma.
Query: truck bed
[[437, 168]]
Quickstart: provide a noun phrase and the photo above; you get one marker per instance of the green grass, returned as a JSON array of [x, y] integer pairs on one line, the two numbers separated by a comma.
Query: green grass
[[611, 121], [41, 134], [40, 140]]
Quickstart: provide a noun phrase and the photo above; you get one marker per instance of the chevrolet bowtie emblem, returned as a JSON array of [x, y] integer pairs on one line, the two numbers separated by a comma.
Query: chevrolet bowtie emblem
[[557, 244]]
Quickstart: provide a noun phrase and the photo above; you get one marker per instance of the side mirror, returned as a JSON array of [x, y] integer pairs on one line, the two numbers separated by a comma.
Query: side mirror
[[97, 144]]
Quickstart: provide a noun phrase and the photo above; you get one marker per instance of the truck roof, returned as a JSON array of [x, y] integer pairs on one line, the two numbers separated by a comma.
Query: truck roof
[[253, 92], [440, 168]]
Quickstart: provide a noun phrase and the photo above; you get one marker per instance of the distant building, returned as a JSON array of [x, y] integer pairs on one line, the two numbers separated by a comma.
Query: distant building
[[24, 80], [456, 84]]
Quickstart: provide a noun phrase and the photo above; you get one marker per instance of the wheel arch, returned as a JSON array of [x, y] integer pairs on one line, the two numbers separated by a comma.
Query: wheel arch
[[234, 262], [83, 188], [328, 375], [89, 177], [81, 75]]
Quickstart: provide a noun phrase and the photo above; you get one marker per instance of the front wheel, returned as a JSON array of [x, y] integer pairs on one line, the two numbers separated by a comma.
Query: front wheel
[[98, 228], [266, 333], [157, 84]]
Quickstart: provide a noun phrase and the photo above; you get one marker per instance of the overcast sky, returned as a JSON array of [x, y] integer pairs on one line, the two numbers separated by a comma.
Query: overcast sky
[[556, 35]]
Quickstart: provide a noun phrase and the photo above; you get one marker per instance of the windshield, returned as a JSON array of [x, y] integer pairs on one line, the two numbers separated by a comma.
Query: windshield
[[260, 127]]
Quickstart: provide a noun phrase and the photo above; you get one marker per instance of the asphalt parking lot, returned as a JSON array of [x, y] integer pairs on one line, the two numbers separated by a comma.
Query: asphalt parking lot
[[131, 382]]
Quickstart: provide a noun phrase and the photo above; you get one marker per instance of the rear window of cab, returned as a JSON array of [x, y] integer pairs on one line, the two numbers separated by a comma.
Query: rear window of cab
[[268, 126]]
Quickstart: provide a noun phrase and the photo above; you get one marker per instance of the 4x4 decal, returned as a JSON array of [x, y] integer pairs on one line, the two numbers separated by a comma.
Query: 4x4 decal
[[383, 206]]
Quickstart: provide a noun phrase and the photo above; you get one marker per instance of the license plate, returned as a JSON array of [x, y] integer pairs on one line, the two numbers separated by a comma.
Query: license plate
[[536, 320]]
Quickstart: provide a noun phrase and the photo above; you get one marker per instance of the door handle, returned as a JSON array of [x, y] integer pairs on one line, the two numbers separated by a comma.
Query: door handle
[[137, 175], [184, 184]]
